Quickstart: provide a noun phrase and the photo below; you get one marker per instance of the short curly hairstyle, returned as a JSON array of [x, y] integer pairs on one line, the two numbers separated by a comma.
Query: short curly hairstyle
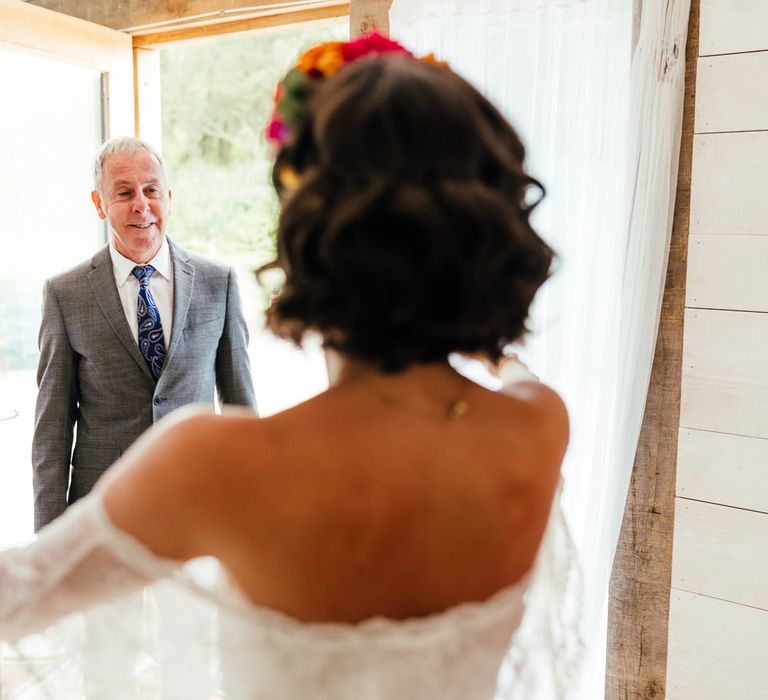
[[407, 236]]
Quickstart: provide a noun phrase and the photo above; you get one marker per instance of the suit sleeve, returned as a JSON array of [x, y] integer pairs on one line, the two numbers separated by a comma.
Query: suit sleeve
[[233, 368], [55, 413]]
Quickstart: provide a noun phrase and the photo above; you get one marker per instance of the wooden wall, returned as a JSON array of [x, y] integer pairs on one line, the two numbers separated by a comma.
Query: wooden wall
[[718, 622]]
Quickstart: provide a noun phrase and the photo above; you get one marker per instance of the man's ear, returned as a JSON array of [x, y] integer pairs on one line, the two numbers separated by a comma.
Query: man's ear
[[97, 203], [170, 196]]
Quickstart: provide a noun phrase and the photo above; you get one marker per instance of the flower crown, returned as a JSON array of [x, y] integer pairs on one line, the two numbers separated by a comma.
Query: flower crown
[[320, 62]]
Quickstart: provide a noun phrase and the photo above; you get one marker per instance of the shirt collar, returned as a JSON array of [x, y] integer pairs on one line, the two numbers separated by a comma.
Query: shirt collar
[[123, 267]]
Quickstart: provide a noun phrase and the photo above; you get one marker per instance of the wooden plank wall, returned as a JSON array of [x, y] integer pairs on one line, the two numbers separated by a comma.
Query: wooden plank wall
[[639, 592], [718, 623]]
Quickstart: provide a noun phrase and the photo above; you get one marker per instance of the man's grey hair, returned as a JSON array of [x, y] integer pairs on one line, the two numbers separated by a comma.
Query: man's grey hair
[[123, 145]]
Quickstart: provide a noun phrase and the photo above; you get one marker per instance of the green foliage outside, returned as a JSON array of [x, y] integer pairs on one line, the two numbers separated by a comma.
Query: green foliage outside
[[216, 102]]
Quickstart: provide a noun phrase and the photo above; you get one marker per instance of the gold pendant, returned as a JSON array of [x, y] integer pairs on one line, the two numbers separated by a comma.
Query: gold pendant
[[457, 408]]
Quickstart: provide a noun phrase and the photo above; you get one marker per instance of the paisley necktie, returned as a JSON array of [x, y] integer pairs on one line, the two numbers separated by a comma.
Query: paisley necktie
[[151, 338]]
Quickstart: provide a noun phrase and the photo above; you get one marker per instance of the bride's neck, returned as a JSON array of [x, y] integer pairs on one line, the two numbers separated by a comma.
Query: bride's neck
[[433, 379], [343, 369], [428, 390]]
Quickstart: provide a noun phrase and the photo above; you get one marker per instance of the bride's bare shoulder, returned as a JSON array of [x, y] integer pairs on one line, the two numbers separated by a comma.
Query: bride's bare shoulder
[[541, 419], [175, 473], [541, 402]]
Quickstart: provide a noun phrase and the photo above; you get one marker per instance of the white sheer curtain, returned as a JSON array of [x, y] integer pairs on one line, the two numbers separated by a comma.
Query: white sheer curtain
[[600, 110]]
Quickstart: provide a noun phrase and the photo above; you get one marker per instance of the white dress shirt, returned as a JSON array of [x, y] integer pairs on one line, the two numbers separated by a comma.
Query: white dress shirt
[[160, 284]]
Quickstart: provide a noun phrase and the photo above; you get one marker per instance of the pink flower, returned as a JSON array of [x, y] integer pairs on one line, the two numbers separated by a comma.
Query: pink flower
[[276, 130], [373, 43]]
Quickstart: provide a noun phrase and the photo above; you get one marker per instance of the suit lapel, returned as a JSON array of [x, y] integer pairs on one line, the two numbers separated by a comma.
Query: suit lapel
[[183, 284], [102, 281]]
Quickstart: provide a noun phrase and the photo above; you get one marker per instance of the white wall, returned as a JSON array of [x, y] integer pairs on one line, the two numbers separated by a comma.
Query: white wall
[[718, 624]]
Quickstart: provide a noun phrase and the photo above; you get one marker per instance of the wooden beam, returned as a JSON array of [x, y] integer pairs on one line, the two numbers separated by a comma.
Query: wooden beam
[[59, 36], [366, 16], [130, 15], [640, 584], [209, 30]]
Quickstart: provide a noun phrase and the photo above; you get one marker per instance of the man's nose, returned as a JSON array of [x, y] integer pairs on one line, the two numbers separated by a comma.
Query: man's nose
[[140, 202]]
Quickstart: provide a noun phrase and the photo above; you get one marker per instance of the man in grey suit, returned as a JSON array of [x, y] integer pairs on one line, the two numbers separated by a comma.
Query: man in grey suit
[[140, 329]]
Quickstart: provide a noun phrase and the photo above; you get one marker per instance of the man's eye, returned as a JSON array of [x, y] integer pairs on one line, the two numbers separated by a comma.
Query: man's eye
[[152, 190], [124, 193]]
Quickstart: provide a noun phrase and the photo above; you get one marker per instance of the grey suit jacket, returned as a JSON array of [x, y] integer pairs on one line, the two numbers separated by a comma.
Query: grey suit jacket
[[92, 375]]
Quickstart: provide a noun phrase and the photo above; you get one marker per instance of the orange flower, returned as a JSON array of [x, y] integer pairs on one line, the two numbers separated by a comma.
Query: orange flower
[[433, 60], [324, 58]]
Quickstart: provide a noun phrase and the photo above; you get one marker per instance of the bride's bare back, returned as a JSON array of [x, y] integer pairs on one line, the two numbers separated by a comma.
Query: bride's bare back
[[366, 500]]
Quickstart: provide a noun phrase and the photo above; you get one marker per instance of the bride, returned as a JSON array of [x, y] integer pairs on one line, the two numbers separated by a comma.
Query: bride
[[386, 538]]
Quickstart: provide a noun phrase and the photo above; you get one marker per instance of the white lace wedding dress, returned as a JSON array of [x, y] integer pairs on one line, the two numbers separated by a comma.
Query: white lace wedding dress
[[520, 644]]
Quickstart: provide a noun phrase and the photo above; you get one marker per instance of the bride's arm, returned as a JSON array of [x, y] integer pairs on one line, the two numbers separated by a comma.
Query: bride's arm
[[79, 560], [129, 532]]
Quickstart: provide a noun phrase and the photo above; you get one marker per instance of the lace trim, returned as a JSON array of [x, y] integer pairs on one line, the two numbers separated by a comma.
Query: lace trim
[[541, 662]]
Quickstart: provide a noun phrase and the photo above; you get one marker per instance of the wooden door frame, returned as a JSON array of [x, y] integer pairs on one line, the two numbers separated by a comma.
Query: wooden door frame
[[31, 29]]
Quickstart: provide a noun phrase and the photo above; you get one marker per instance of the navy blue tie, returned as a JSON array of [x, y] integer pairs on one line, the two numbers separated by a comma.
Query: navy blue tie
[[151, 338]]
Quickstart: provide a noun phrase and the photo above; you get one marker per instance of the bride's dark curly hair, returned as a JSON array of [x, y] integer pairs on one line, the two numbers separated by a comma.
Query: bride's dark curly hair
[[407, 235]]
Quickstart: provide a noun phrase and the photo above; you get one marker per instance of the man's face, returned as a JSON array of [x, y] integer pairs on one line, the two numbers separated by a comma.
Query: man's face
[[135, 201]]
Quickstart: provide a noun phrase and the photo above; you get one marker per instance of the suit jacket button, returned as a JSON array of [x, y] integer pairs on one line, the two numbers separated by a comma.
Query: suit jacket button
[[157, 400]]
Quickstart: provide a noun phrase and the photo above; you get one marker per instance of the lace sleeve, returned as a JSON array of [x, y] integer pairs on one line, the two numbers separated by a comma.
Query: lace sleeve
[[546, 654], [79, 560]]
